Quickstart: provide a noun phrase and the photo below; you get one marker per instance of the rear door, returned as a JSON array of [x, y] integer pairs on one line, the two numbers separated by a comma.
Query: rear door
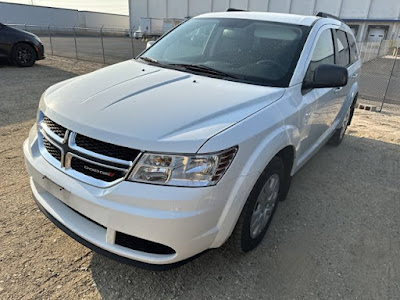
[[343, 59]]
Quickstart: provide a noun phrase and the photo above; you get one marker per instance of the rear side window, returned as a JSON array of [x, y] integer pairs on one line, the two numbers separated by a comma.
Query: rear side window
[[354, 55], [324, 53], [343, 49]]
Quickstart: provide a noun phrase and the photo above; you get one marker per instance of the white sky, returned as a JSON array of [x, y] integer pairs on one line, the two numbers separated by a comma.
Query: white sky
[[108, 6]]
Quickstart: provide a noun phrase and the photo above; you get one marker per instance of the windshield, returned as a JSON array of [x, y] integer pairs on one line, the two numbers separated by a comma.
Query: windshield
[[250, 51]]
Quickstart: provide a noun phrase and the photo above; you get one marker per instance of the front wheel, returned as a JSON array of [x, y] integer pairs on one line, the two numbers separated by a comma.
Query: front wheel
[[260, 207], [24, 55]]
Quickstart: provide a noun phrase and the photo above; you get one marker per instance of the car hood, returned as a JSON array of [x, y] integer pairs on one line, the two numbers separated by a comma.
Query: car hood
[[150, 108]]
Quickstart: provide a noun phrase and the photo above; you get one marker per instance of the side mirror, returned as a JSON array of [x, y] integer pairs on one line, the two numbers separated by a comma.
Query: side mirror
[[149, 44], [328, 76]]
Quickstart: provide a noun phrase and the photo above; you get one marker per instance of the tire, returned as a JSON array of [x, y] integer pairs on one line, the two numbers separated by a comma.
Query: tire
[[24, 55], [352, 109], [246, 236], [339, 134]]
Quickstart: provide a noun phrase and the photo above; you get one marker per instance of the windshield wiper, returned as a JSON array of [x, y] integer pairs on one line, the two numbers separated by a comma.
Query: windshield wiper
[[149, 59], [204, 69]]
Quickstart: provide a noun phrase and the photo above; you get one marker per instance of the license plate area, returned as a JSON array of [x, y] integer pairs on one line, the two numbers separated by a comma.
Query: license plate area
[[56, 190]]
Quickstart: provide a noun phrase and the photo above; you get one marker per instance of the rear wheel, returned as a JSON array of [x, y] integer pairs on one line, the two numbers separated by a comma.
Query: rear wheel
[[24, 55], [260, 207], [339, 134]]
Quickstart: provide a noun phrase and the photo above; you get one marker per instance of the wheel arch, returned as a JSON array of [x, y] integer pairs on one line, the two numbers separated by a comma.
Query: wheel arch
[[286, 150], [287, 155]]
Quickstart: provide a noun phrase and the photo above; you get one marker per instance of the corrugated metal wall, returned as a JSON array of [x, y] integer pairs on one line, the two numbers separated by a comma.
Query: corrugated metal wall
[[348, 9], [44, 16]]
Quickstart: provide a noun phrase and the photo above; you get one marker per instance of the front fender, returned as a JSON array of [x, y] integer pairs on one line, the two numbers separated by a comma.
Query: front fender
[[250, 164]]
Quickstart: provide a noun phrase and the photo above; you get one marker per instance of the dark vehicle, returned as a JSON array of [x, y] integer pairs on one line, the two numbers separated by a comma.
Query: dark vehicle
[[21, 47]]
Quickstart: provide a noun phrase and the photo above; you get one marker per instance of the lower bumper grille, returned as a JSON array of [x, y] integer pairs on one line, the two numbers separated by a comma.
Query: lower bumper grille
[[138, 244]]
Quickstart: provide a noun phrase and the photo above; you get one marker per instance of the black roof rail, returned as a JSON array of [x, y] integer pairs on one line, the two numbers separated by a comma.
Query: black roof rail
[[234, 9], [325, 15]]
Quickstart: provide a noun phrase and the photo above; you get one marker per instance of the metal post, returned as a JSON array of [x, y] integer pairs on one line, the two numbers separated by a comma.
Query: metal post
[[76, 44], [51, 40], [369, 51], [379, 49], [133, 48], [102, 44], [25, 26], [390, 78]]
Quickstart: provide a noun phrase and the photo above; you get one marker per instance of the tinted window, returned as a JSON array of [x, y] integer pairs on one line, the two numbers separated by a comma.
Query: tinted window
[[353, 48], [342, 49], [324, 53], [250, 51]]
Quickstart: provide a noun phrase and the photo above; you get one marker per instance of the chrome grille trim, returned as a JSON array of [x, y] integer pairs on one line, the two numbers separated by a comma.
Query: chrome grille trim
[[70, 150], [51, 134], [44, 151], [74, 146], [88, 179], [70, 155]]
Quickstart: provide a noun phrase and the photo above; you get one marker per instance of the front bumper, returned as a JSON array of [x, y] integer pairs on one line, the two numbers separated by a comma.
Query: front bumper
[[40, 51], [184, 219]]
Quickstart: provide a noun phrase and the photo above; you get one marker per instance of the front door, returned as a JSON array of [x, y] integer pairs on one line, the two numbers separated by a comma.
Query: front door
[[319, 101]]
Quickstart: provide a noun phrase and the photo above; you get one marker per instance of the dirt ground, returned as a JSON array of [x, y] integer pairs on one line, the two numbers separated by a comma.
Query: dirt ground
[[336, 237]]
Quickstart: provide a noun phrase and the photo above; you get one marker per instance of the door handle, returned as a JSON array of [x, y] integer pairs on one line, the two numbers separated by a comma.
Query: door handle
[[337, 90], [355, 75]]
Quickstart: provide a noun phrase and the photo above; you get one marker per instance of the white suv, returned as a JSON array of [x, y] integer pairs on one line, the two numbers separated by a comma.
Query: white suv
[[155, 160]]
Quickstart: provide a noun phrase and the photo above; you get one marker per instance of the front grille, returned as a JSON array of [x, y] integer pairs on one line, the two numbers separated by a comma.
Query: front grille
[[98, 161], [53, 150], [96, 171], [142, 245], [54, 127], [106, 149]]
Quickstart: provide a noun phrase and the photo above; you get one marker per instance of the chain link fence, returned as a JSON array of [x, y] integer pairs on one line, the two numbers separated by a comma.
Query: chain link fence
[[380, 75], [379, 81], [105, 45]]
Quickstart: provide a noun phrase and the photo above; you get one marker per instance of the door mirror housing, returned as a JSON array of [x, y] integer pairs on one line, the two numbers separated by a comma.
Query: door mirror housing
[[328, 76]]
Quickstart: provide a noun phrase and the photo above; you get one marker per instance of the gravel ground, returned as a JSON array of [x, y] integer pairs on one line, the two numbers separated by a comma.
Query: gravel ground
[[336, 237]]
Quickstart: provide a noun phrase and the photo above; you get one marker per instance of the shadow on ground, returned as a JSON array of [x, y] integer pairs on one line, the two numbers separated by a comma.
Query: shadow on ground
[[336, 236]]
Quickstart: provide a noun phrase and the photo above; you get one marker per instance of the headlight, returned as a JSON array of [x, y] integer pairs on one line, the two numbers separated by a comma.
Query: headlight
[[182, 170]]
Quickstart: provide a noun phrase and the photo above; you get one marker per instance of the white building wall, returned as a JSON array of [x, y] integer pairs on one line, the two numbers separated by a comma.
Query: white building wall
[[281, 6], [358, 10], [384, 9], [177, 9], [303, 7], [94, 19], [36, 15], [44, 16]]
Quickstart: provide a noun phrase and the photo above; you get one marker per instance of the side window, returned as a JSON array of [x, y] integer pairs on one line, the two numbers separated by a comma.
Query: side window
[[324, 53], [343, 49], [354, 55]]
